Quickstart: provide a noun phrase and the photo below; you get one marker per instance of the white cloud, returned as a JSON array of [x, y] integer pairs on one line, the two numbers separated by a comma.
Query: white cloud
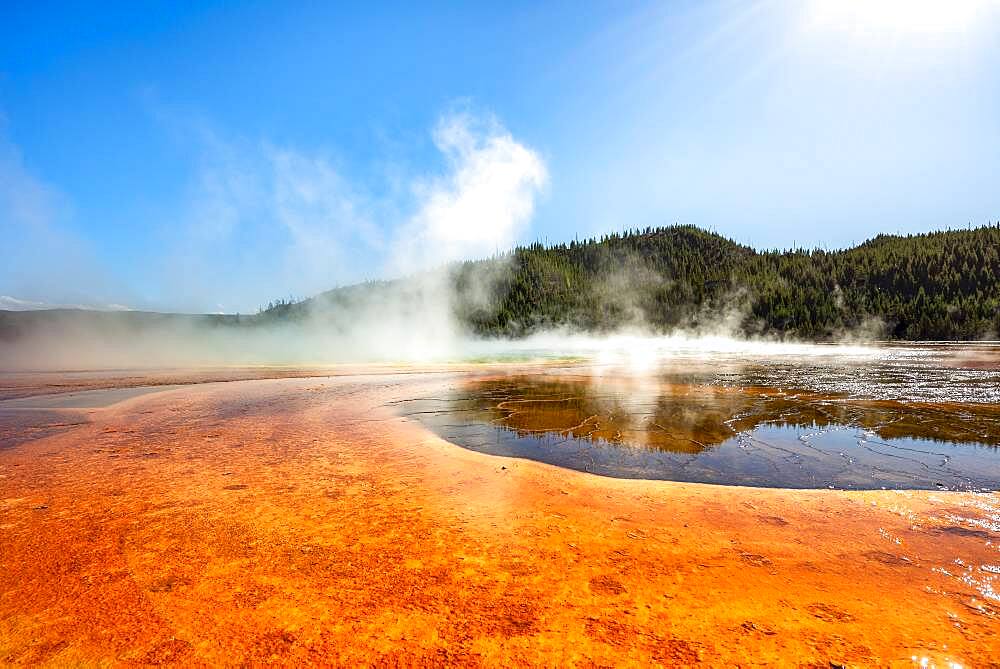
[[482, 204], [14, 304], [265, 221], [262, 221], [11, 303]]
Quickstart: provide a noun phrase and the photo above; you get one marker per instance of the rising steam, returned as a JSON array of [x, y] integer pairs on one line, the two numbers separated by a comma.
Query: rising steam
[[305, 226], [299, 224]]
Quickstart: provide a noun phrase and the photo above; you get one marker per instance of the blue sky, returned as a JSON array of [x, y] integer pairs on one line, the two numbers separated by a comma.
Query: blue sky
[[212, 156]]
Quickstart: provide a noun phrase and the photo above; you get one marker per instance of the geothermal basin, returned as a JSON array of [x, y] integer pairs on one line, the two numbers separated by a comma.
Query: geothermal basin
[[816, 506]]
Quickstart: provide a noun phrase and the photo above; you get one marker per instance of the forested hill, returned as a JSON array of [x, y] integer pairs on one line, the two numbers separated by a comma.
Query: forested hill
[[941, 285]]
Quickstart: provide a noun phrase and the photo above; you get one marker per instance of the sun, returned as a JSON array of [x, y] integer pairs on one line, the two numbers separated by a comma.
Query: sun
[[899, 17]]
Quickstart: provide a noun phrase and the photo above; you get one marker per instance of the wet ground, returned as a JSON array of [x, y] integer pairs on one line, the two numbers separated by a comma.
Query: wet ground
[[303, 520]]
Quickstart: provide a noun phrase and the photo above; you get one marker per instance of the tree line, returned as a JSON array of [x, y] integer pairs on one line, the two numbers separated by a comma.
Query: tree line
[[939, 285]]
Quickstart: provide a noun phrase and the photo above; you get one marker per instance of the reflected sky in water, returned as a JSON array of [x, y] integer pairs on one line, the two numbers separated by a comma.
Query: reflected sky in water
[[914, 418]]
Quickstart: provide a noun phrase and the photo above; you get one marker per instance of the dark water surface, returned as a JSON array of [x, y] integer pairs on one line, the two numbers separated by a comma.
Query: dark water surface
[[905, 417]]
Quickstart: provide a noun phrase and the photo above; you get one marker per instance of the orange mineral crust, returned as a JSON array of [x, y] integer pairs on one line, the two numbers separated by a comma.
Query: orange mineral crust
[[303, 521]]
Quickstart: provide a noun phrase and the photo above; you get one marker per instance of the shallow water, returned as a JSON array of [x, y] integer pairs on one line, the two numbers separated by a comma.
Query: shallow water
[[902, 418], [83, 399]]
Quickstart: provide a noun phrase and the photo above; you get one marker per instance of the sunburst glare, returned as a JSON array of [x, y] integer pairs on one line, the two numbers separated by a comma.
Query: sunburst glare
[[881, 18]]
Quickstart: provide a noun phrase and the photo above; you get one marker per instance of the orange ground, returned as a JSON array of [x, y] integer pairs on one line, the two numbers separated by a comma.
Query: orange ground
[[298, 520]]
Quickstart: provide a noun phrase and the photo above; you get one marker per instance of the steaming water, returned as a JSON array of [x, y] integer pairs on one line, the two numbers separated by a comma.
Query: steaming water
[[915, 417]]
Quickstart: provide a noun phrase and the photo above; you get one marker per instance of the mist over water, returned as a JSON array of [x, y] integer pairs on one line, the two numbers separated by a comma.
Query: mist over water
[[417, 328], [411, 329], [742, 413]]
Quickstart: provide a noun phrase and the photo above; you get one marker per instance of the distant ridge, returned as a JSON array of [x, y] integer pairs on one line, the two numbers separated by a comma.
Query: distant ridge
[[938, 285]]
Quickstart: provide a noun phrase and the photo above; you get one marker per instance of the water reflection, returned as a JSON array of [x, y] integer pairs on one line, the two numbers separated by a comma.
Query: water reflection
[[719, 426]]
